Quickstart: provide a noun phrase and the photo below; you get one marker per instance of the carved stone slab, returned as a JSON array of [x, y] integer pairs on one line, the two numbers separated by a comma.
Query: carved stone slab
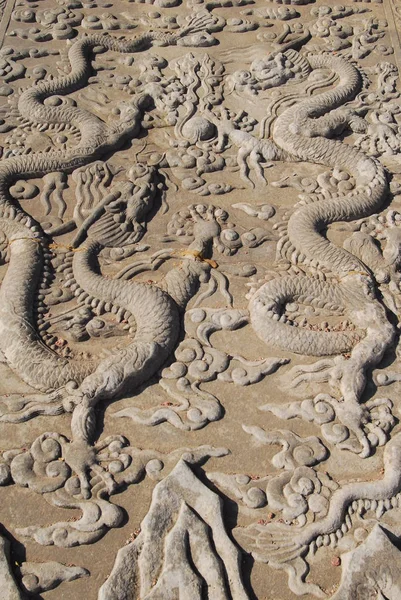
[[200, 299]]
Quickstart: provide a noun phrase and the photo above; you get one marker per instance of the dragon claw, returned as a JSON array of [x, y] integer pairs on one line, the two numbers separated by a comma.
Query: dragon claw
[[81, 458]]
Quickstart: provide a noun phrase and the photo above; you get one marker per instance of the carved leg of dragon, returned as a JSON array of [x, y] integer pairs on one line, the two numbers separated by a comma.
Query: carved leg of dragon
[[298, 132]]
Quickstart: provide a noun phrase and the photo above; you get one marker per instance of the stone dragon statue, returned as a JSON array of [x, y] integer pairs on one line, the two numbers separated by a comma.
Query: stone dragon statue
[[302, 132], [154, 308]]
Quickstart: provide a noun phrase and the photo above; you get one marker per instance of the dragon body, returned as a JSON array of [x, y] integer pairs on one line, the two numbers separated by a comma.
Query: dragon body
[[302, 131], [155, 309]]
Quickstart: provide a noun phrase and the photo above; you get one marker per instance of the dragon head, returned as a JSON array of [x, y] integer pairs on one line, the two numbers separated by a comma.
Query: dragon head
[[271, 71], [118, 217]]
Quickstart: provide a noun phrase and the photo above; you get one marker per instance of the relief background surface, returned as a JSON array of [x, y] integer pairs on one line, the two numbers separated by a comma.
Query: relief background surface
[[200, 243]]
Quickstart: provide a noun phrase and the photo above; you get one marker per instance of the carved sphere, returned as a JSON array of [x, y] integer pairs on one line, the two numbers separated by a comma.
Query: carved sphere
[[198, 129]]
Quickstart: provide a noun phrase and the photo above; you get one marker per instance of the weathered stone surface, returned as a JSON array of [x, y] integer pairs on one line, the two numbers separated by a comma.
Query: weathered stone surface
[[200, 251]]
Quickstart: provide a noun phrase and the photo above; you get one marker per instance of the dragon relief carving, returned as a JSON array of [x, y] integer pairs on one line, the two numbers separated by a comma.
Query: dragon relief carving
[[88, 181]]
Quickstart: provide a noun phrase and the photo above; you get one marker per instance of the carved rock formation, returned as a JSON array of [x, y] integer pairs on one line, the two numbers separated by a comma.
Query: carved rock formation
[[372, 569], [182, 551], [8, 585]]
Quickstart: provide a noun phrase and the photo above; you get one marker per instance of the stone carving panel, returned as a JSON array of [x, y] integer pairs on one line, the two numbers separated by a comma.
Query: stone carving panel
[[200, 295]]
